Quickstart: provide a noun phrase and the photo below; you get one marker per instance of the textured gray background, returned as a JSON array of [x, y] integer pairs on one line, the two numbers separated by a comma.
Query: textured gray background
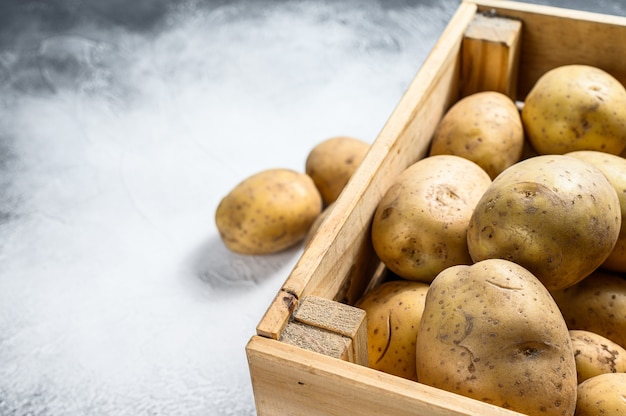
[[122, 125]]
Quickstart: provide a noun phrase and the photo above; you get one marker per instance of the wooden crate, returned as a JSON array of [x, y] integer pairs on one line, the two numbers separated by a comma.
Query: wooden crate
[[309, 356]]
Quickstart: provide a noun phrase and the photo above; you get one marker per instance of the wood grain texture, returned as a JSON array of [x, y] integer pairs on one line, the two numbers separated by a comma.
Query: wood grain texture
[[277, 315], [319, 340], [490, 55], [338, 318], [288, 380]]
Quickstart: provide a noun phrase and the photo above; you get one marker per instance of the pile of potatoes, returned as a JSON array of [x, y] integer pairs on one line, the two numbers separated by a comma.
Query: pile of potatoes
[[506, 251], [505, 248]]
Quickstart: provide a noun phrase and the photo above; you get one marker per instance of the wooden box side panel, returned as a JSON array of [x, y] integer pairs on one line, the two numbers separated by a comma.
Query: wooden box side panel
[[290, 381], [553, 37]]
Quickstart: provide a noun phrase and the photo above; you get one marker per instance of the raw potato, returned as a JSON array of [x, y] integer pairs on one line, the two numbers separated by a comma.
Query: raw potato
[[614, 168], [596, 355], [602, 395], [576, 107], [596, 304], [492, 332], [555, 215], [268, 212], [485, 128], [420, 225], [333, 162], [394, 310]]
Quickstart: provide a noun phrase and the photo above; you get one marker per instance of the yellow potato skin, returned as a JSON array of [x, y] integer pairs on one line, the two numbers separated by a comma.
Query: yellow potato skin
[[576, 107], [595, 355], [394, 310], [596, 304], [555, 215], [492, 332], [332, 163], [602, 395], [268, 211], [614, 168], [420, 224], [485, 128]]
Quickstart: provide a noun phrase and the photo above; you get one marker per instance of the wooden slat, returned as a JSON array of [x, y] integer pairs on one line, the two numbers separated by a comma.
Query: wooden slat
[[288, 380], [555, 36], [277, 315], [490, 55]]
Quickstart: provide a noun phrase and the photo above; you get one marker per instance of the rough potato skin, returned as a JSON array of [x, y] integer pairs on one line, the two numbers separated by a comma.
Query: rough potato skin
[[576, 107], [268, 212], [491, 331], [485, 128], [394, 310], [602, 395], [420, 224], [614, 168], [332, 163], [596, 355], [596, 304], [555, 215]]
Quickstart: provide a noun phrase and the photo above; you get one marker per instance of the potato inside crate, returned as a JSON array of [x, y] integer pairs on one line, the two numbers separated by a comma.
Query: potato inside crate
[[302, 360]]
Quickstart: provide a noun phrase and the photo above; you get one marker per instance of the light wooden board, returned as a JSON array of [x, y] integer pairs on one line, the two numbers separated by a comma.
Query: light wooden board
[[288, 380]]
